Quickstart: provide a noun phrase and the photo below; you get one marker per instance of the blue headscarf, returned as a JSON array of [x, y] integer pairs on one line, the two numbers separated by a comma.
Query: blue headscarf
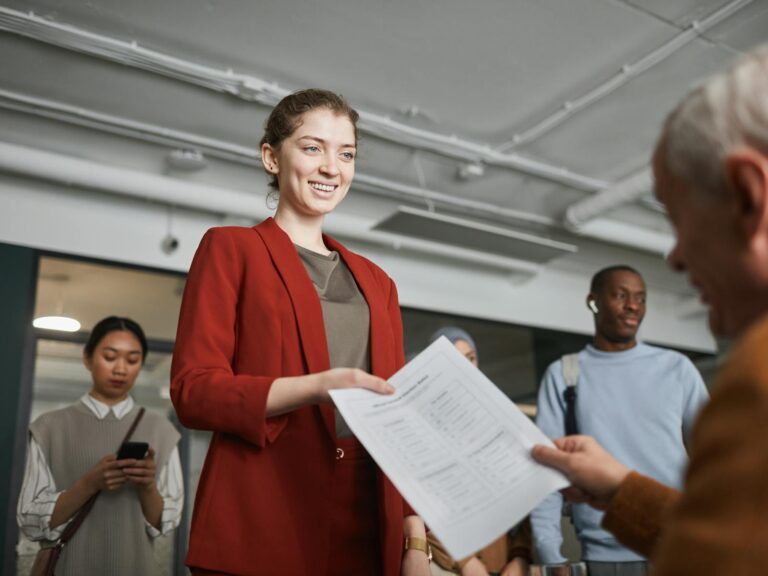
[[454, 333]]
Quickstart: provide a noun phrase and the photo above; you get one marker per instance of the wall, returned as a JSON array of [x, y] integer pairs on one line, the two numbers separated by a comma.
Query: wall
[[17, 297], [95, 224]]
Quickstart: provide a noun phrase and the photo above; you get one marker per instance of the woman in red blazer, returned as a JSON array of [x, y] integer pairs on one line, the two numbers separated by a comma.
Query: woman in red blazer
[[277, 494]]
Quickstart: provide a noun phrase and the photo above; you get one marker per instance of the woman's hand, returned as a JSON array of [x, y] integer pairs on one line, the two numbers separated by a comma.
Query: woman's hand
[[415, 563], [105, 475], [339, 378], [291, 392], [474, 567], [140, 472], [516, 567]]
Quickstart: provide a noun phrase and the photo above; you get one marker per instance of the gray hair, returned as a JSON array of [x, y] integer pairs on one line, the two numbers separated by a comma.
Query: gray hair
[[727, 111]]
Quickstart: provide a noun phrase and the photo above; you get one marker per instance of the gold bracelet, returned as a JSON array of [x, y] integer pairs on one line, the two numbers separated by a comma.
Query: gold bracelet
[[412, 543]]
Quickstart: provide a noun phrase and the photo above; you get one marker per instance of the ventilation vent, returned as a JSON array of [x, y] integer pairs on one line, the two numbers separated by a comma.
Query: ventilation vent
[[454, 231]]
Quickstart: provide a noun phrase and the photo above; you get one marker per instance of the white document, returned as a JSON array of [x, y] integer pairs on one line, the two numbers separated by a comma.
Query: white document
[[454, 445]]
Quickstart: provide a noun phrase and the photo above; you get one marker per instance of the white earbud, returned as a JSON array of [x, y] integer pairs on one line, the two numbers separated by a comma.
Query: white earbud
[[592, 306]]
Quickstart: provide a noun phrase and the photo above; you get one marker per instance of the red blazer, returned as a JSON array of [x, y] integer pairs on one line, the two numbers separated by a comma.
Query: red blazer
[[251, 314]]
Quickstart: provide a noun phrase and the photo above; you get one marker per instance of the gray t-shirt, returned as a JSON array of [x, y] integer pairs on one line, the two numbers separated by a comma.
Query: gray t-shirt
[[345, 315]]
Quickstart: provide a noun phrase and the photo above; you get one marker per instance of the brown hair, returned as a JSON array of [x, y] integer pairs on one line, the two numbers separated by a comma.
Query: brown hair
[[285, 118]]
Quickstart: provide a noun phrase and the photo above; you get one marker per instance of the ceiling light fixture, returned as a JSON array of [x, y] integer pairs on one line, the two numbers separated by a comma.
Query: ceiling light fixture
[[59, 323]]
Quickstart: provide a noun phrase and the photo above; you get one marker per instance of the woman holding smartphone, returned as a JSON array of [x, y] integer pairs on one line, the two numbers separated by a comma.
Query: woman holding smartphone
[[72, 456], [274, 317]]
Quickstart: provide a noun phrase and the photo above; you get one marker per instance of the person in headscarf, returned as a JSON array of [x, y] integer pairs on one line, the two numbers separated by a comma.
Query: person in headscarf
[[510, 555]]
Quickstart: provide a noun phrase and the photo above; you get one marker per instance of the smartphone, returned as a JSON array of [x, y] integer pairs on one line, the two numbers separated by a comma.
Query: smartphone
[[134, 450]]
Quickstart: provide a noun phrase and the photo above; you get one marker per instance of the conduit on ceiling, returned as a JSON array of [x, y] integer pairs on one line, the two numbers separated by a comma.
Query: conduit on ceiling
[[251, 88], [624, 192], [627, 72], [248, 156], [603, 230], [71, 171]]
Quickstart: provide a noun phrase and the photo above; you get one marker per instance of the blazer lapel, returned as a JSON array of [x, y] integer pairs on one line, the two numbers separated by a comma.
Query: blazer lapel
[[382, 349], [306, 304]]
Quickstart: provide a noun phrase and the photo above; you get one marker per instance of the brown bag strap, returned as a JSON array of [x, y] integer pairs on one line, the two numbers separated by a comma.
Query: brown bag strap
[[70, 530], [132, 429]]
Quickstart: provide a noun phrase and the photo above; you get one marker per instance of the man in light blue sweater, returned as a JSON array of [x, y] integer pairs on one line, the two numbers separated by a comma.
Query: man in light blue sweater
[[637, 400]]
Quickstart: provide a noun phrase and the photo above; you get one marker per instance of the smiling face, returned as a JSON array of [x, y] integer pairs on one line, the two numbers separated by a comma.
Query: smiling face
[[314, 165], [620, 305], [114, 366]]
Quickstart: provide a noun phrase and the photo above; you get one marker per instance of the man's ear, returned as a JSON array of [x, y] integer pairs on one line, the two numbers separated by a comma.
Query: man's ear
[[592, 303], [746, 175], [87, 362]]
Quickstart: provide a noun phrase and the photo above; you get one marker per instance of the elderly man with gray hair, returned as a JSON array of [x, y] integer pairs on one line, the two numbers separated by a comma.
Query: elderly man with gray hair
[[711, 169]]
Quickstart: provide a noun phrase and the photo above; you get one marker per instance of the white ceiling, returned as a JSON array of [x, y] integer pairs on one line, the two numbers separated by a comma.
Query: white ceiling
[[92, 291], [483, 71], [574, 88]]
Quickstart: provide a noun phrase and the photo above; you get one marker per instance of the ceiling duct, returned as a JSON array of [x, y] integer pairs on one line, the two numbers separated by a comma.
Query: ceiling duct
[[626, 191], [466, 234], [264, 92]]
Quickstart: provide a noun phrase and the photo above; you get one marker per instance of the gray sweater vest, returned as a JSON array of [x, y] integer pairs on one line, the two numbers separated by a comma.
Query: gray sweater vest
[[113, 538]]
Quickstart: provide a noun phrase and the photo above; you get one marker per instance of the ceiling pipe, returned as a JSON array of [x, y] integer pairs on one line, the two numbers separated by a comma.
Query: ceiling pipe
[[108, 123], [626, 191], [255, 89], [628, 235], [628, 72], [71, 171], [248, 156]]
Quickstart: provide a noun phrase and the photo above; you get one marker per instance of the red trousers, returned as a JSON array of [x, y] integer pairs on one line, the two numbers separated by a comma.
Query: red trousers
[[355, 542]]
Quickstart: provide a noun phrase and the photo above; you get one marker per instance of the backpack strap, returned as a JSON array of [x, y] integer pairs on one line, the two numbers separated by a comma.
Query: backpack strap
[[570, 364]]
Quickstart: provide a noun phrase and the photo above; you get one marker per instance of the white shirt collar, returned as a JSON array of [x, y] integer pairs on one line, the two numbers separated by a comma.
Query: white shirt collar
[[100, 410]]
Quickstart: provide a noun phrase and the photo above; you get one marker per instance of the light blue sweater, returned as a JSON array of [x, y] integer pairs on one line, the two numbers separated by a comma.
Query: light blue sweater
[[640, 405]]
